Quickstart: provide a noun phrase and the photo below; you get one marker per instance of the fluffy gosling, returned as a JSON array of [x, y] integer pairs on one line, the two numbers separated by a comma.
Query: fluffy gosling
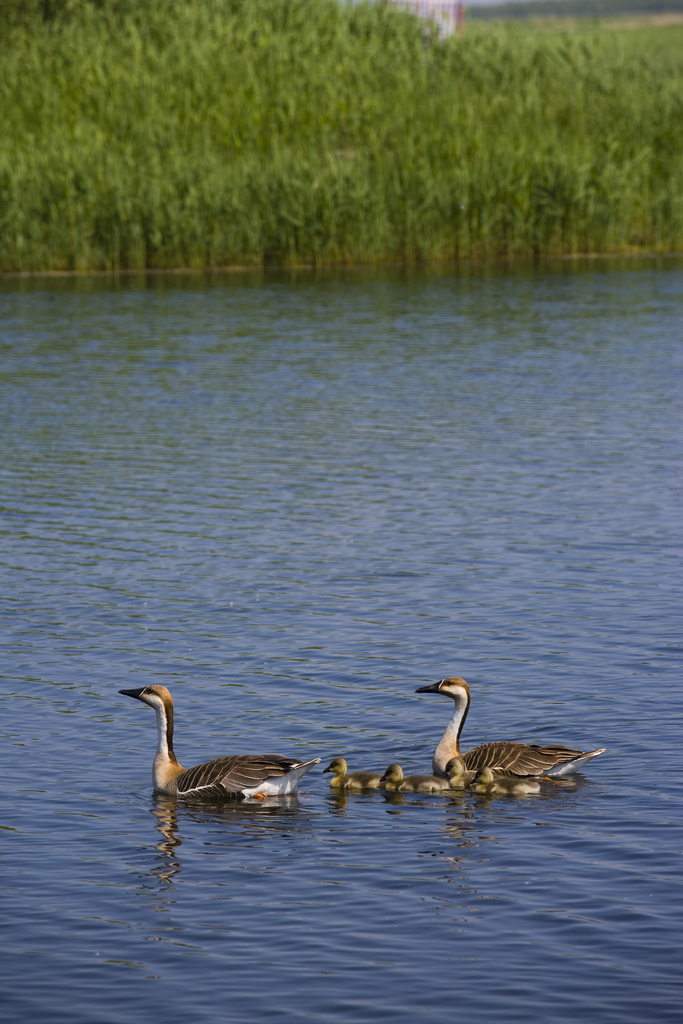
[[488, 784], [342, 779], [456, 774], [395, 781]]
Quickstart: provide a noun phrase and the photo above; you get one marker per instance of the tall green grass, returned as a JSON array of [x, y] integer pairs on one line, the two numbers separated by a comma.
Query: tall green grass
[[213, 132]]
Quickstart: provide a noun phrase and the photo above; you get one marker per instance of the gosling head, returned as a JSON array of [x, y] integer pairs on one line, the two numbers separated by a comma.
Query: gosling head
[[453, 687], [455, 771], [157, 697], [485, 777], [337, 765], [394, 773]]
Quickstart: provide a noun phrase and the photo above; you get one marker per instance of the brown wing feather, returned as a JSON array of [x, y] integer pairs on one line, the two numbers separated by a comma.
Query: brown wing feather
[[518, 758], [232, 774]]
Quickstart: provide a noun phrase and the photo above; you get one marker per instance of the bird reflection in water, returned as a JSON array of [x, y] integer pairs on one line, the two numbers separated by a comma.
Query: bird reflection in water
[[249, 817], [441, 801], [339, 800], [165, 810]]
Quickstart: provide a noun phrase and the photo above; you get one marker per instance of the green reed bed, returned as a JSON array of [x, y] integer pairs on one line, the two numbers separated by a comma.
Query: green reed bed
[[214, 132]]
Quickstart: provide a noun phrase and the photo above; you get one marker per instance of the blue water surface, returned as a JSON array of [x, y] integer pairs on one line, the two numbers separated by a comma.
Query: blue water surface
[[293, 499]]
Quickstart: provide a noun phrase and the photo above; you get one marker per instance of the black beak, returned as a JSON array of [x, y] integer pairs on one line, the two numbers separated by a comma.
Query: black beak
[[134, 693], [434, 688], [328, 769]]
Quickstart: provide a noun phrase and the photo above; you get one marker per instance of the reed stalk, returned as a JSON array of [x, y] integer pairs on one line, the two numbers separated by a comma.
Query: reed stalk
[[171, 133]]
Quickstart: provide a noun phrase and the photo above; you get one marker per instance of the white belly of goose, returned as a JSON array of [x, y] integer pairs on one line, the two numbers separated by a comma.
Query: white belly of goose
[[289, 783]]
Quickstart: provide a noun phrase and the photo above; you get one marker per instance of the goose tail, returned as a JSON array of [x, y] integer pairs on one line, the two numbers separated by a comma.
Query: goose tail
[[281, 785], [569, 767]]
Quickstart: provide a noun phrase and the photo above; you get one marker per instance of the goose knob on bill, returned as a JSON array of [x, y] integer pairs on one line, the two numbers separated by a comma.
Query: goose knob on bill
[[505, 756], [256, 775]]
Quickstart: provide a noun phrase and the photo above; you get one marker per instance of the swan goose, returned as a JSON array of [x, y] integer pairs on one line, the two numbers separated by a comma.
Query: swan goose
[[342, 779], [517, 759], [395, 781], [257, 775]]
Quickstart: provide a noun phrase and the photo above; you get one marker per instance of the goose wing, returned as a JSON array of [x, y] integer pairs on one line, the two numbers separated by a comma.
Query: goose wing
[[518, 758], [233, 774]]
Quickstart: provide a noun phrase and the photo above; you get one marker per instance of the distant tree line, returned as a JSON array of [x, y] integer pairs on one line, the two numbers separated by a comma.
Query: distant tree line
[[25, 9], [49, 10], [574, 9]]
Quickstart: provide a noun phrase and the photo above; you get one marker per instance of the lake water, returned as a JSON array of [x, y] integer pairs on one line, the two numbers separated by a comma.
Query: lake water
[[293, 499]]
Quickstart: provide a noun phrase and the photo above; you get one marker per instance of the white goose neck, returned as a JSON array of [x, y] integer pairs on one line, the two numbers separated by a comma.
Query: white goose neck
[[165, 766], [164, 748], [449, 745]]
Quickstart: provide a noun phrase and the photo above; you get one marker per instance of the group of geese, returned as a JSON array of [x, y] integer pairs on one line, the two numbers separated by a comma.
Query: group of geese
[[502, 767]]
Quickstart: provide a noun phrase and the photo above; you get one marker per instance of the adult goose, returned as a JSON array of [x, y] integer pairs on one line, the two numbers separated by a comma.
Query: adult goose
[[343, 779], [505, 756], [257, 775]]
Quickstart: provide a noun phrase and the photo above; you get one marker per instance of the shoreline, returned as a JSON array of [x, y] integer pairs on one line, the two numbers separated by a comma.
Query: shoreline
[[495, 261]]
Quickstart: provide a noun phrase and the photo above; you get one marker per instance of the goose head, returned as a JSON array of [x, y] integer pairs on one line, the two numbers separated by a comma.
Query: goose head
[[337, 765], [160, 699], [157, 697], [453, 687], [393, 774]]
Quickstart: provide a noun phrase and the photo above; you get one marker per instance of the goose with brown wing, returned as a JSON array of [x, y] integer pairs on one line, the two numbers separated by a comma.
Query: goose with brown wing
[[504, 756], [256, 775]]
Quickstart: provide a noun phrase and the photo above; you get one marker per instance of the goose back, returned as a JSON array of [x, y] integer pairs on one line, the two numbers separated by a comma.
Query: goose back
[[238, 774], [520, 759]]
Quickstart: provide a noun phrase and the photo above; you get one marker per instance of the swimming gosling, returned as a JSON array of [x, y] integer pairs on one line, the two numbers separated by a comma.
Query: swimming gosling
[[488, 784], [456, 773], [395, 781], [341, 779]]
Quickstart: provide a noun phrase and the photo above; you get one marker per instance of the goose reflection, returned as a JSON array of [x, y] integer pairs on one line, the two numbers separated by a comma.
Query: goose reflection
[[342, 799], [448, 800], [165, 811], [177, 821], [251, 819]]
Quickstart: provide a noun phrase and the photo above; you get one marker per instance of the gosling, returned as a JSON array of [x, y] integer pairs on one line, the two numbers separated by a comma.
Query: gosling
[[395, 781], [456, 773], [488, 784], [341, 779]]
